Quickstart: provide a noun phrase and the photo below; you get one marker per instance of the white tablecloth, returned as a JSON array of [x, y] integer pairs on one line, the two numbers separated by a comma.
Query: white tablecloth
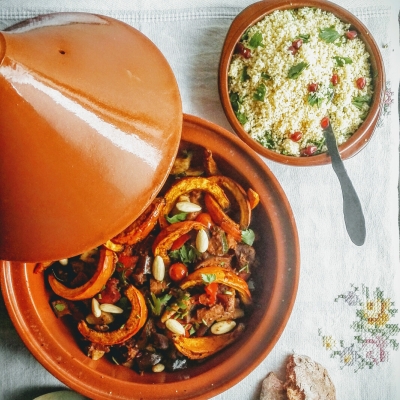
[[344, 290]]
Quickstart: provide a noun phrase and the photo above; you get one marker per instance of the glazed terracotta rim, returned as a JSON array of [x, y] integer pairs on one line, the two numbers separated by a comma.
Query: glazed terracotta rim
[[80, 373], [257, 11]]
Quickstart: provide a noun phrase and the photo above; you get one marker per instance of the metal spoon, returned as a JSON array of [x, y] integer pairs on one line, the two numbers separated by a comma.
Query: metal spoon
[[353, 214]]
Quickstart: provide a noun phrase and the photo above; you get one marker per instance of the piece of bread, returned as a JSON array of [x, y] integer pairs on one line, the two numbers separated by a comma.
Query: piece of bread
[[308, 380], [272, 388], [305, 380]]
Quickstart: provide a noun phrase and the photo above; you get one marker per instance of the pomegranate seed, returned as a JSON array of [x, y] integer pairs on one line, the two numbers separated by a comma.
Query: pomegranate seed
[[324, 122], [293, 50], [296, 136], [308, 151], [297, 43], [313, 87], [361, 83], [335, 79], [351, 35], [242, 50]]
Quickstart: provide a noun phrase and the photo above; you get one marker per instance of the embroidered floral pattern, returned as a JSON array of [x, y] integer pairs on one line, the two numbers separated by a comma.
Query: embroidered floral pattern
[[387, 102], [375, 336]]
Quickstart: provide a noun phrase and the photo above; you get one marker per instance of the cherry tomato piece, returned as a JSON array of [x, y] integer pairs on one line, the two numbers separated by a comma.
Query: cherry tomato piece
[[205, 219], [308, 151], [296, 136], [177, 271], [211, 291], [351, 35], [324, 122], [297, 43], [242, 50], [312, 87], [335, 79], [180, 241], [361, 83]]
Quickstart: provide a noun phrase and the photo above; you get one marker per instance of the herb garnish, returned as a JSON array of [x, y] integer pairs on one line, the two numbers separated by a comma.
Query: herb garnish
[[267, 140], [256, 41], [265, 76], [176, 218], [259, 94], [235, 102], [208, 278], [305, 38], [315, 98], [329, 35], [186, 254], [340, 61], [244, 76], [157, 303], [359, 101], [248, 236], [296, 70]]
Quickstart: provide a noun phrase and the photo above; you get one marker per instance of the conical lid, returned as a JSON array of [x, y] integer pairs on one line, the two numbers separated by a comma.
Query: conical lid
[[90, 123]]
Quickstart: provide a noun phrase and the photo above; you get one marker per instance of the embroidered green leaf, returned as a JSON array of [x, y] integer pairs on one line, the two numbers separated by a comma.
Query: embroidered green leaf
[[296, 70]]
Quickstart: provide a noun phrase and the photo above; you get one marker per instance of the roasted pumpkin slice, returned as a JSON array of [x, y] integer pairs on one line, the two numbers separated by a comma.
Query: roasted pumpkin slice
[[221, 218], [136, 320], [186, 185], [254, 198], [240, 196], [222, 275], [197, 348], [105, 269], [170, 234], [140, 228]]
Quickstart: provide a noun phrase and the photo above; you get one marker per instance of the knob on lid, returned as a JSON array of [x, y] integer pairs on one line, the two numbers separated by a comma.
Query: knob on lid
[[90, 123]]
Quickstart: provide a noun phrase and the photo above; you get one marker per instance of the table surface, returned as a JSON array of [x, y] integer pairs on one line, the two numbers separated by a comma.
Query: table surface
[[338, 280]]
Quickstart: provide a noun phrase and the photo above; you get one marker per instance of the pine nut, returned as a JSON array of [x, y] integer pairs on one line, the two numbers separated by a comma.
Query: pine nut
[[158, 367], [64, 261], [105, 319], [158, 269], [175, 327], [202, 241], [114, 246], [96, 308], [219, 328], [187, 206], [111, 308]]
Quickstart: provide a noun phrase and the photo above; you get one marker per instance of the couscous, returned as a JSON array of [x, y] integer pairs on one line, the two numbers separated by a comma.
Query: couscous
[[292, 69]]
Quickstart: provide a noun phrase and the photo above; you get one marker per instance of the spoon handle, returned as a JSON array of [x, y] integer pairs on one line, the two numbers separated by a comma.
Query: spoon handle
[[352, 210]]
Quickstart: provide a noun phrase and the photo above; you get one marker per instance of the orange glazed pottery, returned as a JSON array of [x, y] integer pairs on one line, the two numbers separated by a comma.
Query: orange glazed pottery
[[256, 12], [90, 123], [53, 343]]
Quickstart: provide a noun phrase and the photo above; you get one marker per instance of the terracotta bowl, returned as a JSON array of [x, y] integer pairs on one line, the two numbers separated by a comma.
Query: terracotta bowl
[[256, 12], [52, 343]]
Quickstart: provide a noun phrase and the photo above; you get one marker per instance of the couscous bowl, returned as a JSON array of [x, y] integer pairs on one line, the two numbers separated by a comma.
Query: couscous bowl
[[284, 67]]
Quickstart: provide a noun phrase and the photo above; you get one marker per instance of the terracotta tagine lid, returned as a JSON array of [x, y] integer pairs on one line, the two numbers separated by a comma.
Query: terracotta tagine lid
[[90, 123]]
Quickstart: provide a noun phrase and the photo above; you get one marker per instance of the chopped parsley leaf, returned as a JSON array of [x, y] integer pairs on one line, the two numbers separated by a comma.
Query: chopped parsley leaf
[[359, 101], [329, 35], [256, 41], [341, 61], [176, 218], [248, 236], [259, 94], [296, 70], [208, 278]]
